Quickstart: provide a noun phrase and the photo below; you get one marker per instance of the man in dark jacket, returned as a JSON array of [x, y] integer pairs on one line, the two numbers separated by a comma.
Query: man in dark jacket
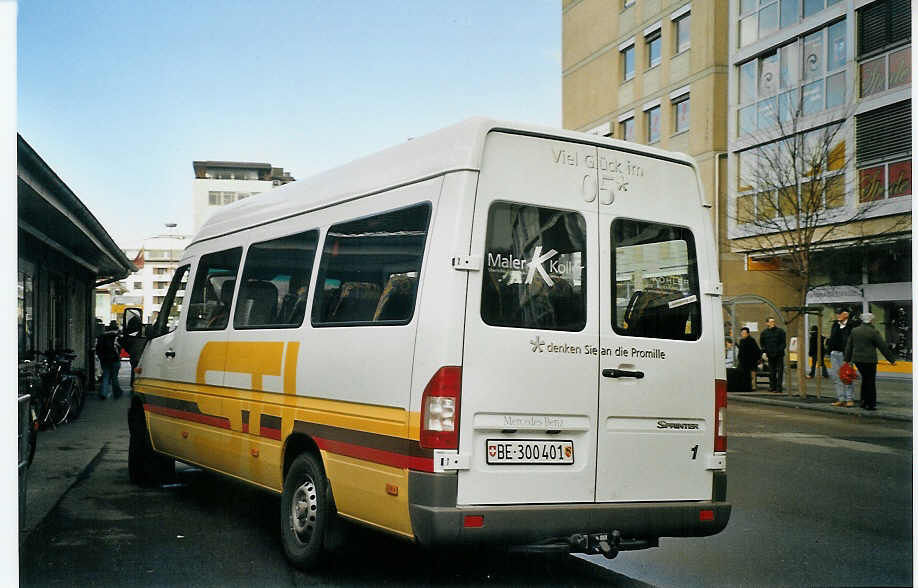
[[749, 354], [838, 341], [862, 349], [773, 341], [108, 348]]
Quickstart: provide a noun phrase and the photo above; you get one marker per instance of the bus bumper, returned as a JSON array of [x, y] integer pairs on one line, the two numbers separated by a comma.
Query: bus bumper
[[436, 520]]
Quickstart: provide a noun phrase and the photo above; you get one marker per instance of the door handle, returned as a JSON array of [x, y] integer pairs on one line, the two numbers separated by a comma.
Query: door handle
[[614, 373], [170, 354]]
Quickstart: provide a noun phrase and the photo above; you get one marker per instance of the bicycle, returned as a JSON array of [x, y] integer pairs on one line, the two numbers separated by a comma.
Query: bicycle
[[60, 397], [29, 385]]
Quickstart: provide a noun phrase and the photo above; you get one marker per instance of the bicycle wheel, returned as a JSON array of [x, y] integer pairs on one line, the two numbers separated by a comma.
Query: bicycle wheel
[[78, 397], [62, 400]]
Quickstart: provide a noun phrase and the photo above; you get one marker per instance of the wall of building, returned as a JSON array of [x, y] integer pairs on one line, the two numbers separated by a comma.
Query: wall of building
[[200, 189]]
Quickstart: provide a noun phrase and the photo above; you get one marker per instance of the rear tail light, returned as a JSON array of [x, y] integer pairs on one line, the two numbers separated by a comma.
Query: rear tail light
[[720, 415], [440, 409]]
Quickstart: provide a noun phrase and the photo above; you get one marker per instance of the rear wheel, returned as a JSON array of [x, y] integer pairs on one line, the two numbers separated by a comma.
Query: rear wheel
[[62, 400], [76, 400], [145, 466], [304, 511]]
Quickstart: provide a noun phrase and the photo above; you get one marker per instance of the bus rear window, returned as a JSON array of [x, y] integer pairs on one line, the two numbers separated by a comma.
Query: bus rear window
[[535, 268]]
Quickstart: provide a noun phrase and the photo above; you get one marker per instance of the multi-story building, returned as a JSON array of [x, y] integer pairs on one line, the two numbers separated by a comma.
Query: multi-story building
[[653, 72], [156, 261], [217, 183], [798, 67]]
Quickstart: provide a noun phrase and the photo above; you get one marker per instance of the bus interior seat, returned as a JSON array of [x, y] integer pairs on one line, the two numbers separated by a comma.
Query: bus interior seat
[[356, 303], [396, 298], [258, 302]]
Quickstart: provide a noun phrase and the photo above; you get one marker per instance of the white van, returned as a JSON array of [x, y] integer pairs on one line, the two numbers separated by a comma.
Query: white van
[[495, 333]]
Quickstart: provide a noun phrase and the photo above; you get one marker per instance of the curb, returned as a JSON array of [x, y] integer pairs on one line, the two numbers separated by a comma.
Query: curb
[[878, 414]]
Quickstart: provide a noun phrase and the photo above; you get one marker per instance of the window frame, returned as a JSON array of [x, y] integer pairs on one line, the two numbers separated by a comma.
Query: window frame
[[627, 53], [160, 327], [651, 38], [321, 272], [676, 103], [202, 264], [308, 281], [683, 19], [692, 261]]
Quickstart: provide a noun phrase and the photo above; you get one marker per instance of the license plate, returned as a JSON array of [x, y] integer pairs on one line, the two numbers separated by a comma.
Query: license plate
[[529, 451]]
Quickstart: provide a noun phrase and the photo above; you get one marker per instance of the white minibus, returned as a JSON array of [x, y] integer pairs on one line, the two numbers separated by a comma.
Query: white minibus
[[494, 334]]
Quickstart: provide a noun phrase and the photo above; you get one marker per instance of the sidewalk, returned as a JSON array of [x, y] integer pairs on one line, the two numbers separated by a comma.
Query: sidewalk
[[894, 399], [65, 454]]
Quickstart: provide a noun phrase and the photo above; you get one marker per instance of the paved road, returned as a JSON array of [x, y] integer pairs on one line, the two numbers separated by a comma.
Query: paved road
[[819, 500]]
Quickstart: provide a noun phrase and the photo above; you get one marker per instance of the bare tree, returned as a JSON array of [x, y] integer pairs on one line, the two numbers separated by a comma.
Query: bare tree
[[798, 194]]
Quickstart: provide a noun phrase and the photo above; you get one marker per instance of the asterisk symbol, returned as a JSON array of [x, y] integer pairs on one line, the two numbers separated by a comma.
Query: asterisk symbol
[[537, 344]]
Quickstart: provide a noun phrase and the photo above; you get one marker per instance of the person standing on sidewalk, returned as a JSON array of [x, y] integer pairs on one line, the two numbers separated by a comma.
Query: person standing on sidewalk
[[749, 354], [817, 351], [773, 341], [108, 348], [862, 349], [838, 341]]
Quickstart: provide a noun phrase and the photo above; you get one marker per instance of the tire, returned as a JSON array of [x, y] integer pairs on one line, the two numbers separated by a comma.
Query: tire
[[77, 400], [62, 401], [304, 512], [145, 466]]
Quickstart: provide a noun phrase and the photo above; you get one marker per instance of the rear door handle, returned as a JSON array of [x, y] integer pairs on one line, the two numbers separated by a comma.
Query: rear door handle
[[614, 373], [170, 353]]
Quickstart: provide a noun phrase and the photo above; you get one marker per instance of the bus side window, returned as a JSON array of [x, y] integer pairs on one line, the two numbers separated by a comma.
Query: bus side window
[[370, 268], [212, 294]]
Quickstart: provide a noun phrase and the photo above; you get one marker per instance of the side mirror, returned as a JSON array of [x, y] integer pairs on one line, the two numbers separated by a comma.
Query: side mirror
[[132, 319]]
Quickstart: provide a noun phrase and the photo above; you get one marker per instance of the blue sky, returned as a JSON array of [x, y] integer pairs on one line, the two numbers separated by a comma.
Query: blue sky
[[120, 97]]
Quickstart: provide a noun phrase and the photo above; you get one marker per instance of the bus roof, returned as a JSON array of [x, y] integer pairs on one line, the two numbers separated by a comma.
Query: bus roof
[[455, 148]]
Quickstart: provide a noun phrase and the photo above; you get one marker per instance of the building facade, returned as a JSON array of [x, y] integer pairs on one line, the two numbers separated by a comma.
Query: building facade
[[218, 183], [655, 72], [63, 255], [798, 68], [156, 261]]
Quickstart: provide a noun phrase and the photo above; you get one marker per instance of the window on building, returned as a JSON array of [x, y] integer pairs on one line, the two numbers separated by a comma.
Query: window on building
[[158, 299], [628, 62], [25, 319], [214, 198], [683, 32], [229, 197], [654, 44], [160, 285], [520, 293], [884, 152], [655, 284], [883, 28], [241, 195], [681, 113], [369, 270], [275, 282], [160, 271], [627, 4], [212, 294], [627, 128], [138, 285], [653, 124], [803, 77], [760, 18]]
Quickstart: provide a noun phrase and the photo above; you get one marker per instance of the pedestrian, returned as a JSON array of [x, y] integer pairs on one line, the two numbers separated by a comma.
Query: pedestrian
[[773, 341], [108, 348], [838, 341], [862, 349], [817, 352], [748, 356], [730, 353]]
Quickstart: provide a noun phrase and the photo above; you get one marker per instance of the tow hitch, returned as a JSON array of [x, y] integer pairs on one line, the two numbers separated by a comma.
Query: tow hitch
[[608, 544]]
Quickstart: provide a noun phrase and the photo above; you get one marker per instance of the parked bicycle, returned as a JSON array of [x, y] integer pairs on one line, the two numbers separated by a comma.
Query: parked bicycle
[[29, 386], [59, 397]]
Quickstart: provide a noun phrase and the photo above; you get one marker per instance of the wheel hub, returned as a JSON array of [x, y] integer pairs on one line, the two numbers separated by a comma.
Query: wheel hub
[[303, 511]]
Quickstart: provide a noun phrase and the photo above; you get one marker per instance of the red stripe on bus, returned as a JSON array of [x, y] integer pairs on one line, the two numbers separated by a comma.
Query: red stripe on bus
[[271, 433], [375, 455], [206, 419]]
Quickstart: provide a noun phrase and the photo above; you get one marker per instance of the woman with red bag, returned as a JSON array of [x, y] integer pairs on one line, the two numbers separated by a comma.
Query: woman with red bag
[[862, 349]]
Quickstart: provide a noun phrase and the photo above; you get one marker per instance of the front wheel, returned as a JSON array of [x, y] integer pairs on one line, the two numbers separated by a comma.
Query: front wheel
[[145, 466], [62, 400], [304, 511]]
